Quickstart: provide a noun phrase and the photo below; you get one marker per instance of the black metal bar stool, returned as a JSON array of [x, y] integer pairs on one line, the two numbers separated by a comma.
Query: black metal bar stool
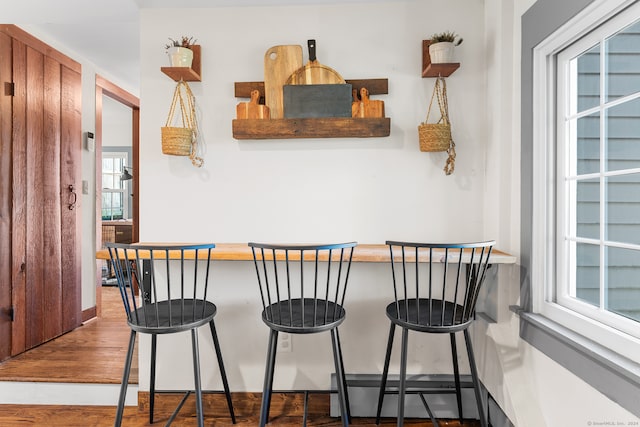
[[174, 283], [435, 289], [302, 288]]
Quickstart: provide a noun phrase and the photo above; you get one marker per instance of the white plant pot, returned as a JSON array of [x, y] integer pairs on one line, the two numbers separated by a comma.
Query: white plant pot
[[441, 53], [180, 56]]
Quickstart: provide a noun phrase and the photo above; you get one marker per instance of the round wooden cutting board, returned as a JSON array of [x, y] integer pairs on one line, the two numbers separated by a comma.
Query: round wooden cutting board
[[314, 72]]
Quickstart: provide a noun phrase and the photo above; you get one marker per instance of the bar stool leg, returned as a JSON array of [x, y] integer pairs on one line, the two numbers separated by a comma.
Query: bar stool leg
[[385, 371], [125, 379], [223, 373], [196, 376], [152, 379], [403, 376], [306, 409], [456, 374], [268, 378], [476, 381], [344, 377], [339, 380]]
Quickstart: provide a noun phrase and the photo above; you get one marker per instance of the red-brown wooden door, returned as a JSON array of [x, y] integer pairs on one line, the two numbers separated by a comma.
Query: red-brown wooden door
[[46, 143], [5, 197]]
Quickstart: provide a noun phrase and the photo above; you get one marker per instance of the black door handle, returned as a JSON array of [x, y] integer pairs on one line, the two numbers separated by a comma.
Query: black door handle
[[74, 197]]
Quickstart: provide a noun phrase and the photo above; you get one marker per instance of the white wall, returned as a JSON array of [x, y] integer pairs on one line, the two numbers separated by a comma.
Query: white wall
[[323, 189], [117, 124], [301, 190]]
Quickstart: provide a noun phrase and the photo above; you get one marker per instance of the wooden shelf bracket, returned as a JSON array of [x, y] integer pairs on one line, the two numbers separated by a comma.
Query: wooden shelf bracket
[[435, 70], [188, 74]]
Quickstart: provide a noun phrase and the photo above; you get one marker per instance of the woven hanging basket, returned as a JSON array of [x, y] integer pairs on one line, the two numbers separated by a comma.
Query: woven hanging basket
[[176, 141], [182, 141], [434, 136], [437, 136]]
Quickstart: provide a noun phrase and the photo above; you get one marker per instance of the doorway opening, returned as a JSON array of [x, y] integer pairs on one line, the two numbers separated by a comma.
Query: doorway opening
[[117, 183]]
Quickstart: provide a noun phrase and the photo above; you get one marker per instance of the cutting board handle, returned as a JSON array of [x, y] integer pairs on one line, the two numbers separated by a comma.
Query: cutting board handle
[[312, 50]]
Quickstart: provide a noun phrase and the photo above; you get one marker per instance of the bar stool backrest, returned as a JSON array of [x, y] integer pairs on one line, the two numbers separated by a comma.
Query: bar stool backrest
[[174, 283], [436, 285], [290, 274]]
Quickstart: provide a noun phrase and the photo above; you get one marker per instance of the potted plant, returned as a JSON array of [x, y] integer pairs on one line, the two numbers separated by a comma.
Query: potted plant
[[179, 51], [441, 47]]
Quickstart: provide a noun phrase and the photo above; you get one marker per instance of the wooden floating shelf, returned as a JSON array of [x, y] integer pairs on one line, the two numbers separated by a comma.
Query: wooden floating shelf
[[321, 127], [188, 74], [328, 127], [435, 70]]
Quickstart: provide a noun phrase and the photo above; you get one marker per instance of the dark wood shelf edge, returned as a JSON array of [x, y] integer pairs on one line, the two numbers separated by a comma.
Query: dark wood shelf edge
[[328, 127], [435, 70], [374, 86], [440, 70], [181, 73]]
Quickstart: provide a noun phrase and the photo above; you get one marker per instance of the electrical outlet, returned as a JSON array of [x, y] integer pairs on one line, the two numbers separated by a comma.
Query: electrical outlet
[[284, 342]]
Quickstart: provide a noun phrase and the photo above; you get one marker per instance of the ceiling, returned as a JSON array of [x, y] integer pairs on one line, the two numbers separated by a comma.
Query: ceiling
[[97, 29], [93, 29]]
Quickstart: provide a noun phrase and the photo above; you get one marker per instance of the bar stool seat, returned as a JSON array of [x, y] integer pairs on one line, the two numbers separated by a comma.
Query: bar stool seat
[[312, 321]]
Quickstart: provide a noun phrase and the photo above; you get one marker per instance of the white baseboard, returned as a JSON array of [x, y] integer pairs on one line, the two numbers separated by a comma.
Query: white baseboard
[[25, 393]]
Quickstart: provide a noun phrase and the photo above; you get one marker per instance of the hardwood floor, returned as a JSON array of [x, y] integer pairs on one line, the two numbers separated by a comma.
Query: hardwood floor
[[247, 407], [95, 352]]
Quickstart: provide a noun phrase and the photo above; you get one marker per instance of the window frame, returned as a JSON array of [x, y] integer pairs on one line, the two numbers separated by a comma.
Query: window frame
[[124, 156], [547, 201]]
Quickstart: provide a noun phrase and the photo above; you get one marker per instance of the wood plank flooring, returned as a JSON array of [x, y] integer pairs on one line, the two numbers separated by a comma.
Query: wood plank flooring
[[247, 414], [95, 352]]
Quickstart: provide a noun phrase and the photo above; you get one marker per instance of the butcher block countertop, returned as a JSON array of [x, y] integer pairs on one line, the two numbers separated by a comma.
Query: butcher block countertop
[[362, 253]]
